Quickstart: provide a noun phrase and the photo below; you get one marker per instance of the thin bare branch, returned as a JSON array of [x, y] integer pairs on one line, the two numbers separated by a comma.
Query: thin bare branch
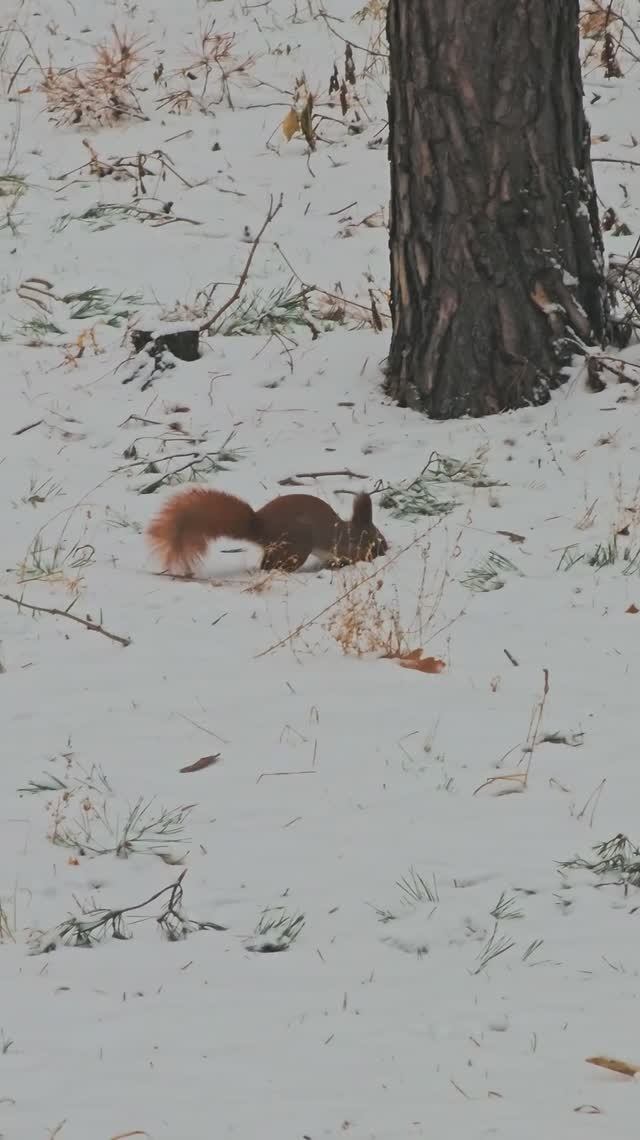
[[271, 213], [94, 626]]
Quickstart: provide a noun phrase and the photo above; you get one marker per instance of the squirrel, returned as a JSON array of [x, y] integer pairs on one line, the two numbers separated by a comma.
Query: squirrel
[[289, 528]]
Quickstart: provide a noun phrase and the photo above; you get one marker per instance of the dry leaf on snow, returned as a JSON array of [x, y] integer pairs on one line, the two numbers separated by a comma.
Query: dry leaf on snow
[[203, 762], [413, 659], [512, 536], [290, 124], [623, 1067]]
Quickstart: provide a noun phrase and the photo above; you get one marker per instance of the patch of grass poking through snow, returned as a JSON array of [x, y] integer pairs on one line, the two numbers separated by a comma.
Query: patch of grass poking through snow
[[7, 926], [95, 925], [495, 946], [93, 304], [37, 330], [118, 520], [92, 782], [617, 857], [198, 467], [414, 891], [12, 188], [105, 215], [276, 930], [417, 499], [506, 908], [40, 492], [270, 313], [55, 563], [101, 304], [489, 574], [605, 554], [144, 831]]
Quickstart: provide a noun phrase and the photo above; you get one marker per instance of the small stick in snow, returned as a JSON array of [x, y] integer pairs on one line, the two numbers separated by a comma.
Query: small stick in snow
[[321, 474], [95, 627], [534, 726], [510, 657], [271, 213], [294, 772], [28, 427]]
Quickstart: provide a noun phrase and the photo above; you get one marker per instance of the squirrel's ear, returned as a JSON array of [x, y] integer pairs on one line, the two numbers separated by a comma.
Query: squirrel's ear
[[362, 513]]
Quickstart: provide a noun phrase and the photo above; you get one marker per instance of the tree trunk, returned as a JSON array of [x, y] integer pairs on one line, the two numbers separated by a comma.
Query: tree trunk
[[496, 248]]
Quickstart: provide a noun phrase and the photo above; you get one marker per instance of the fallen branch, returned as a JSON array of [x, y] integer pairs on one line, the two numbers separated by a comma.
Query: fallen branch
[[94, 925], [271, 213], [618, 161], [95, 627]]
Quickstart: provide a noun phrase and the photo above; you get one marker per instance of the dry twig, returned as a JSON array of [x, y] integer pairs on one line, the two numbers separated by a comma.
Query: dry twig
[[95, 627], [271, 213]]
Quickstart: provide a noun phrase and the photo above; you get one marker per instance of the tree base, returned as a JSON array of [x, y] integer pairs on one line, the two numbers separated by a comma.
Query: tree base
[[496, 250]]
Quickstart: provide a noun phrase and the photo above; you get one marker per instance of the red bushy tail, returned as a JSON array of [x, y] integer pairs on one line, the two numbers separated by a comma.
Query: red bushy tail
[[183, 528]]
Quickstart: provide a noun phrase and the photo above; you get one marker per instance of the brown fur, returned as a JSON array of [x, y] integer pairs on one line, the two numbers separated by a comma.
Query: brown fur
[[289, 529]]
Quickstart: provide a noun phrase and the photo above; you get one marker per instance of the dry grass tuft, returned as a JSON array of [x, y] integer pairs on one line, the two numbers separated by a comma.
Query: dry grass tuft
[[102, 94], [369, 620], [206, 77], [364, 623]]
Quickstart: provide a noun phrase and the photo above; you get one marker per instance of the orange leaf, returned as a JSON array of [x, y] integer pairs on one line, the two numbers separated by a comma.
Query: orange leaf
[[413, 659], [425, 665], [623, 1067], [290, 124]]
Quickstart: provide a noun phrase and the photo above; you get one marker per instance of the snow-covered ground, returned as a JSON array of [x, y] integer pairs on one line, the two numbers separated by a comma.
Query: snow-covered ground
[[440, 974]]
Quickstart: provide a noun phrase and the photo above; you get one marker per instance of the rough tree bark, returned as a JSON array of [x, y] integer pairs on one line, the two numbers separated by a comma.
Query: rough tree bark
[[496, 249]]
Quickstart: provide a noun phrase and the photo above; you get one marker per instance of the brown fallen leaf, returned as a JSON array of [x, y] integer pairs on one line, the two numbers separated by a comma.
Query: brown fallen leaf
[[413, 659], [623, 1067], [203, 762], [512, 536], [632, 609]]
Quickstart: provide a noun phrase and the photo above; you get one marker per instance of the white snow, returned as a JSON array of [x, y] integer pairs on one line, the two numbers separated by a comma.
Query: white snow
[[345, 784]]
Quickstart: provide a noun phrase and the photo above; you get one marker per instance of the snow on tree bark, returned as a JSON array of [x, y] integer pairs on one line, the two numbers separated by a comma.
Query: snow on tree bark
[[496, 248]]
